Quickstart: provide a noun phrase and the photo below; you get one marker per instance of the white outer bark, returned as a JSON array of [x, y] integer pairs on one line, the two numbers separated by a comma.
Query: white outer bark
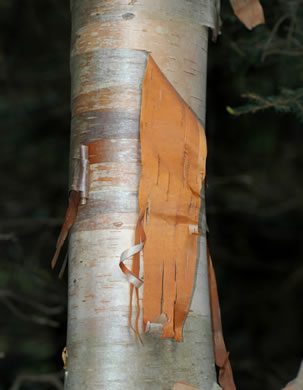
[[109, 50]]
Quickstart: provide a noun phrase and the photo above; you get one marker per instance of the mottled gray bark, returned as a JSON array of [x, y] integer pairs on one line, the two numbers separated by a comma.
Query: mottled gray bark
[[110, 43]]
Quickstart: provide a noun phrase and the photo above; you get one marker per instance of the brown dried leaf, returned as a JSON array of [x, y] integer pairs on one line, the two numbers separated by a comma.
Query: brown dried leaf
[[250, 12]]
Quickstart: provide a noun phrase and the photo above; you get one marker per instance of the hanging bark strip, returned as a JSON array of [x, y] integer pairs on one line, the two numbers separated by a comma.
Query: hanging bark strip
[[173, 152], [250, 12], [221, 355], [78, 195], [69, 219]]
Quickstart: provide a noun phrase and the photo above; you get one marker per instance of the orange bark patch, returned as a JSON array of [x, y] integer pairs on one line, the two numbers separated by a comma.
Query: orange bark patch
[[90, 296], [173, 153]]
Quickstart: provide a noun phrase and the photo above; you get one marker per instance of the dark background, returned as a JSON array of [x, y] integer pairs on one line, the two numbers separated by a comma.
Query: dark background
[[254, 197]]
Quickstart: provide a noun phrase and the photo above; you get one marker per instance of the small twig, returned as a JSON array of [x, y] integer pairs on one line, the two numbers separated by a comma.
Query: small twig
[[293, 22], [29, 222], [246, 180], [53, 379], [237, 49], [36, 305], [289, 53], [272, 34], [8, 237], [26, 317], [262, 104]]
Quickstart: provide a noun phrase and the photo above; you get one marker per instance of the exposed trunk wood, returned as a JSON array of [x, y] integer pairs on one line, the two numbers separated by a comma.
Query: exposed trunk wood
[[110, 44]]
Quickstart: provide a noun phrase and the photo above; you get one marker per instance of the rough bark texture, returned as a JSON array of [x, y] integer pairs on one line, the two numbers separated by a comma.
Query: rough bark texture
[[110, 42]]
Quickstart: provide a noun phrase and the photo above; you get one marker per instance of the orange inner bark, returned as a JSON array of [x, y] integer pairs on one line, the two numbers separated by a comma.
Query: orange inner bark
[[173, 152]]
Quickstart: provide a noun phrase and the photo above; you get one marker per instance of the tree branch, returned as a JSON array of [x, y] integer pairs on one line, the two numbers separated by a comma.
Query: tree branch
[[53, 379], [7, 299]]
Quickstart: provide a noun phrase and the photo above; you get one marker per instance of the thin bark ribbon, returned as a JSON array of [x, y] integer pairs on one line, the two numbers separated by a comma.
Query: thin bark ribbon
[[226, 379], [130, 276], [69, 219], [78, 195], [133, 275]]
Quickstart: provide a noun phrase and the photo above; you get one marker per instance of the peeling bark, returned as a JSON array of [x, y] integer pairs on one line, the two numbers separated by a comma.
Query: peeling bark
[[110, 44], [249, 12]]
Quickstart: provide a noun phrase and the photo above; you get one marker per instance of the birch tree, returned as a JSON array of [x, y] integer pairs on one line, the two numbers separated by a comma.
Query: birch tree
[[109, 47]]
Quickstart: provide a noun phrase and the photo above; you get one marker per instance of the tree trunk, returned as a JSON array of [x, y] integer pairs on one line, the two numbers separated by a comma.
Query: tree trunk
[[111, 40]]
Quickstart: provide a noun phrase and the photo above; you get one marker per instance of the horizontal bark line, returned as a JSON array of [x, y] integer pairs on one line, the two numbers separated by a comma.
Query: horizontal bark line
[[111, 221], [107, 68], [111, 150], [122, 98], [110, 203], [92, 126], [184, 65], [121, 175], [201, 12], [135, 36], [106, 102], [115, 150]]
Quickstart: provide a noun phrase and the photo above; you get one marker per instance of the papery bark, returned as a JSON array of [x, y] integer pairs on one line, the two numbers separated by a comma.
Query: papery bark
[[110, 44]]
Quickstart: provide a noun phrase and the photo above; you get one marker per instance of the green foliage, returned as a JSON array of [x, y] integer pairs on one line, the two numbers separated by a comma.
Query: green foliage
[[278, 48], [287, 101]]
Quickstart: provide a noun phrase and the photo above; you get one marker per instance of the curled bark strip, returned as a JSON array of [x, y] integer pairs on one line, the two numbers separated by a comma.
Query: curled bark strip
[[130, 276], [250, 12], [133, 274], [157, 325], [221, 355], [78, 195]]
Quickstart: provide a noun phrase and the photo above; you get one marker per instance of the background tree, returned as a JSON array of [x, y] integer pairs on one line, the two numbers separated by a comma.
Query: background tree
[[254, 193]]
